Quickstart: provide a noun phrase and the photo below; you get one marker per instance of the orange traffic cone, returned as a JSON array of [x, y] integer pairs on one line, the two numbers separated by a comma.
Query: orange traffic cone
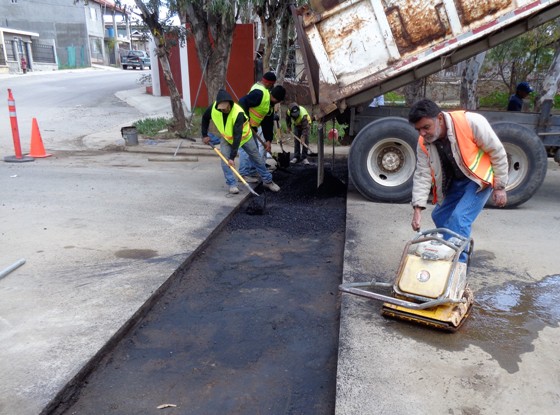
[[37, 148]]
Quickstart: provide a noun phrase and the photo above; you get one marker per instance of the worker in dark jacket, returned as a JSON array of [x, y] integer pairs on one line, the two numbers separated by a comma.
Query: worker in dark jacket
[[299, 117], [259, 106], [516, 100], [233, 125]]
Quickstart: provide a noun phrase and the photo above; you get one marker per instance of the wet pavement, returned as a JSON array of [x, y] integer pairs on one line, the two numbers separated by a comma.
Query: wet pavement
[[250, 326], [504, 360]]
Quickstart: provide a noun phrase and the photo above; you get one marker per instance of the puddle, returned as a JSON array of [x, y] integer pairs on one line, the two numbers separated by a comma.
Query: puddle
[[504, 322]]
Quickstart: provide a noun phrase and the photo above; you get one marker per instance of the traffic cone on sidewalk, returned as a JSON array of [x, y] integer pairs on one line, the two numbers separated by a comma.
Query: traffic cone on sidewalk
[[37, 148]]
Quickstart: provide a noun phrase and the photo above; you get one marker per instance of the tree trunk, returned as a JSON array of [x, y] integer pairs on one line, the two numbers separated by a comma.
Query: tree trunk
[[469, 81], [179, 120], [414, 92], [286, 25], [162, 52], [551, 82], [269, 27], [213, 45]]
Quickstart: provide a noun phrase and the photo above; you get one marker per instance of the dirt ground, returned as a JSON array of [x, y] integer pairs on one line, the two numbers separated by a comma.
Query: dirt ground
[[250, 326]]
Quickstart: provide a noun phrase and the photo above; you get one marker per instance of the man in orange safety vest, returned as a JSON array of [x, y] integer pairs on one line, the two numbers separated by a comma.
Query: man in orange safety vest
[[461, 159]]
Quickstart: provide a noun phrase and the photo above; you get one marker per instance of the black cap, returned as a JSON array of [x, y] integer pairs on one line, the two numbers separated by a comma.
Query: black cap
[[524, 86], [294, 110], [278, 92], [269, 76]]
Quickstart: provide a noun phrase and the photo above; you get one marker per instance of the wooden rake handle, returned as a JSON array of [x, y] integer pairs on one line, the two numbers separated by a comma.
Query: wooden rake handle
[[233, 169]]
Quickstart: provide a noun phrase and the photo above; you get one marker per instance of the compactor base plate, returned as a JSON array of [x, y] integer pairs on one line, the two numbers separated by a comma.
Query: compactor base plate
[[449, 317]]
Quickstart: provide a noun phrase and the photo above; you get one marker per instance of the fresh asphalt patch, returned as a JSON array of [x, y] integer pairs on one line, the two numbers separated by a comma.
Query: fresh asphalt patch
[[250, 326]]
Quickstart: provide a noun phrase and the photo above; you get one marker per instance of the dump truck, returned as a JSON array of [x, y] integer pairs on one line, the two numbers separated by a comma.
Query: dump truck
[[355, 50]]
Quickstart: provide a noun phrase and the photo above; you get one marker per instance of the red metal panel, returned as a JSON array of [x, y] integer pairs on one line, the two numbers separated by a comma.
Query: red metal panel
[[175, 64], [240, 73]]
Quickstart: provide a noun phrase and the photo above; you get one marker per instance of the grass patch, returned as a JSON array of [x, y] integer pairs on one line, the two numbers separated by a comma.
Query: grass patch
[[496, 99], [151, 126]]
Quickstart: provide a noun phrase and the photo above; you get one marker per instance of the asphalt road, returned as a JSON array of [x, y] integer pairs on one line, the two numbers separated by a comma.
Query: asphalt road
[[250, 326], [68, 106]]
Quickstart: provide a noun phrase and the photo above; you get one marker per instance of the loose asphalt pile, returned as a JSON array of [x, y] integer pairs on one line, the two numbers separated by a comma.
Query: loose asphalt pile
[[250, 326]]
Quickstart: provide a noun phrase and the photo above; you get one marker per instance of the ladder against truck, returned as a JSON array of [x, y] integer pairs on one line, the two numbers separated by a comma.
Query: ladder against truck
[[355, 50]]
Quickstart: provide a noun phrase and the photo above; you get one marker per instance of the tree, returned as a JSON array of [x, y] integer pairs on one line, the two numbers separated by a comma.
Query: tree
[[165, 36], [415, 91], [270, 13], [212, 23], [278, 24], [469, 81], [551, 82], [530, 53]]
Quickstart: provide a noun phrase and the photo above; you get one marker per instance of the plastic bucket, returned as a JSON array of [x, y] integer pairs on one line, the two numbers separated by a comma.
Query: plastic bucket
[[130, 136]]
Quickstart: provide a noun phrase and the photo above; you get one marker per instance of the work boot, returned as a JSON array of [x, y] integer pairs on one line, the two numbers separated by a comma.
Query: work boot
[[305, 161], [273, 187], [234, 190], [250, 179]]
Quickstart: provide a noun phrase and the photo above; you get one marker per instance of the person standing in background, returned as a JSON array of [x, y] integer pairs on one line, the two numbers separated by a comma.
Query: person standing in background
[[516, 100]]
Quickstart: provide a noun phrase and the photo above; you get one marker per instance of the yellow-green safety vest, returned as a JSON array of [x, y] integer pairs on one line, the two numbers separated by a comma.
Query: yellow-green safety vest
[[227, 130], [302, 113], [257, 114]]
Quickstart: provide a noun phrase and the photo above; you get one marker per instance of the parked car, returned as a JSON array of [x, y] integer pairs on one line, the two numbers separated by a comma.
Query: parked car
[[136, 59]]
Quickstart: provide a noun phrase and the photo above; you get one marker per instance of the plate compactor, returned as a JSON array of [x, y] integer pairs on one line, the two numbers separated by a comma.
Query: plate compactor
[[431, 284]]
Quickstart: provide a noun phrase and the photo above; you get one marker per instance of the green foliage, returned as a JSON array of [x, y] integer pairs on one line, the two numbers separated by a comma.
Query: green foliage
[[532, 52], [151, 126], [498, 100], [394, 98]]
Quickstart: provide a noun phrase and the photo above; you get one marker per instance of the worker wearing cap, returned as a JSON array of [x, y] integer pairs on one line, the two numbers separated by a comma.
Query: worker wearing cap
[[233, 124], [299, 116], [516, 100], [259, 104]]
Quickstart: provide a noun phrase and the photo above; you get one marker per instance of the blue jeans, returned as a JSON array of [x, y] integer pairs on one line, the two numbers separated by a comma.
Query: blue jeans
[[250, 147], [228, 174], [246, 168], [460, 207]]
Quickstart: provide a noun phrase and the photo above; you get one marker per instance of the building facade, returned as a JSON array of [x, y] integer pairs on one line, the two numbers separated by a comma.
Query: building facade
[[58, 34]]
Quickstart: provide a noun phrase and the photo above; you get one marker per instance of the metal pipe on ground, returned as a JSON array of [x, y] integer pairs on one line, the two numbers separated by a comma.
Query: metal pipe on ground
[[11, 268]]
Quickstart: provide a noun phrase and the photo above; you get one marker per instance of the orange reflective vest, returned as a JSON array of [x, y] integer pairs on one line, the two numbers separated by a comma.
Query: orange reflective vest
[[227, 129], [474, 158]]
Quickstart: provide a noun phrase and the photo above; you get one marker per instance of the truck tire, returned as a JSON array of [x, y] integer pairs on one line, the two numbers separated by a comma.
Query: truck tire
[[124, 67], [527, 161], [382, 160]]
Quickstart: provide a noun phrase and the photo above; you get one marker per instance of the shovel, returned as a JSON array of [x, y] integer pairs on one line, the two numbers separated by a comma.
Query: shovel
[[240, 177], [310, 152], [284, 158]]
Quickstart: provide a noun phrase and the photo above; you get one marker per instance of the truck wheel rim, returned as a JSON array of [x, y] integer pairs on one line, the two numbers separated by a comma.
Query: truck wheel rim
[[518, 165], [391, 162]]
